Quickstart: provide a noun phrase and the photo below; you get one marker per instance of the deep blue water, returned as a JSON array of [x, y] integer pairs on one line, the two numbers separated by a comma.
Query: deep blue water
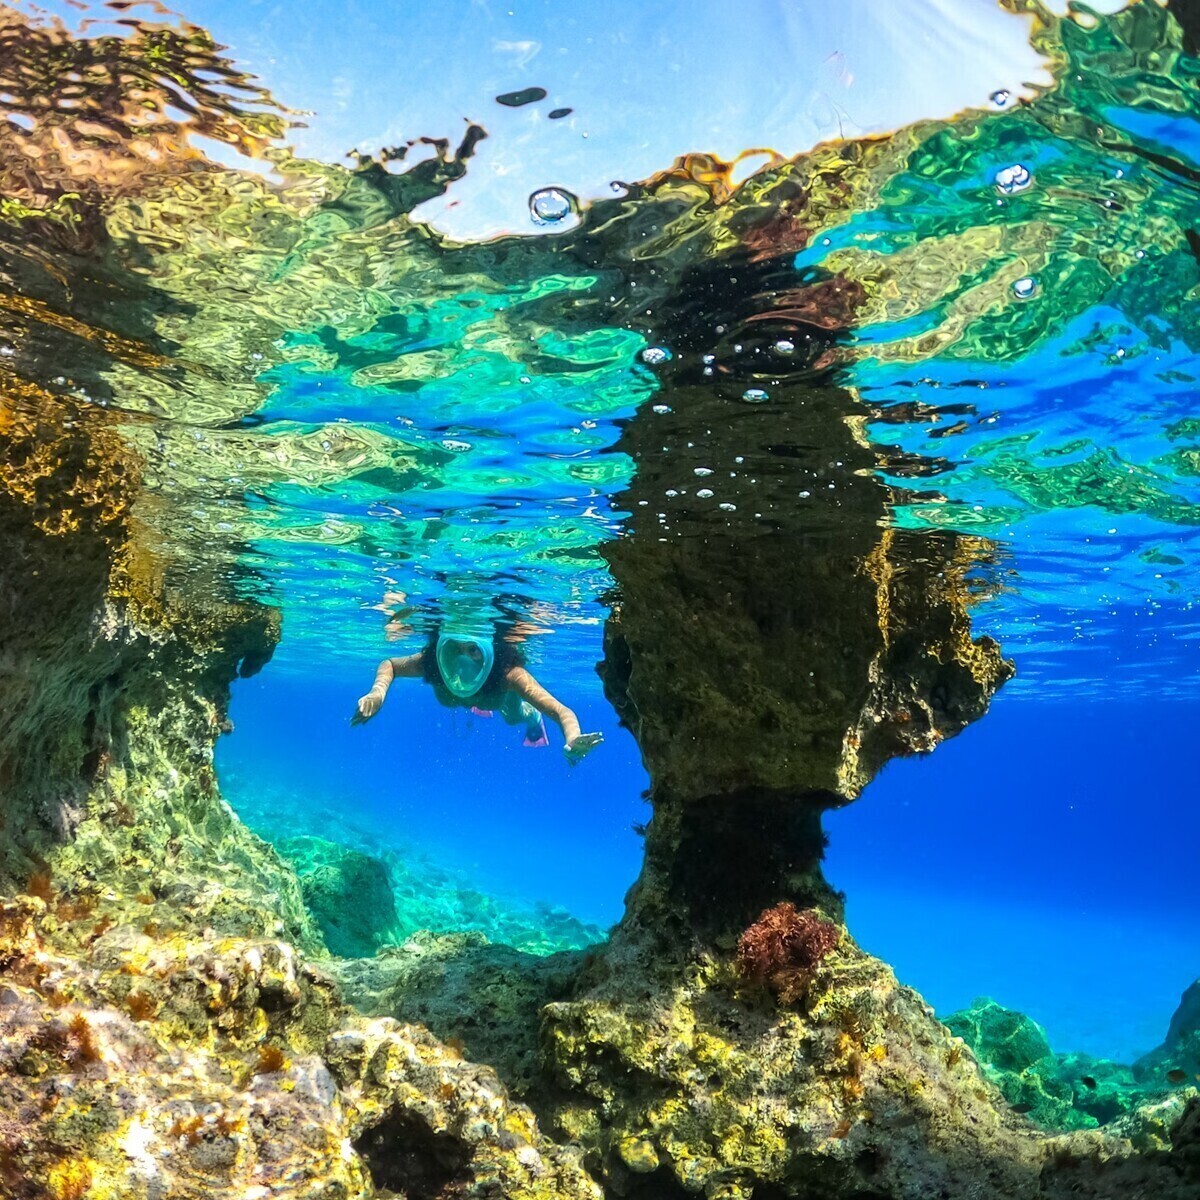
[[518, 820], [1045, 857]]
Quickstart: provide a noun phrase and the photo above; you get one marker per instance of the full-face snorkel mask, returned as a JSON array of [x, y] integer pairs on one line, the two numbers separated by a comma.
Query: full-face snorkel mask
[[464, 662]]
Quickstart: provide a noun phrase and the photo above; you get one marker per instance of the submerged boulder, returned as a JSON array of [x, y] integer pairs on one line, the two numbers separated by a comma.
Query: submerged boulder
[[999, 1036], [348, 892]]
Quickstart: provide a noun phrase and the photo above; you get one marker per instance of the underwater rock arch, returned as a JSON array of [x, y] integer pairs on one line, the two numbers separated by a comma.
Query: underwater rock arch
[[170, 1027]]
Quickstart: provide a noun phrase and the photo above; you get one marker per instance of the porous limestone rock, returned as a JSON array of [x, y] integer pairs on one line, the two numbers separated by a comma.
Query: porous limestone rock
[[184, 1066], [487, 999]]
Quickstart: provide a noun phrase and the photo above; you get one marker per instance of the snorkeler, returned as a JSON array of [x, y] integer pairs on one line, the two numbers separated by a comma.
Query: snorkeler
[[485, 676]]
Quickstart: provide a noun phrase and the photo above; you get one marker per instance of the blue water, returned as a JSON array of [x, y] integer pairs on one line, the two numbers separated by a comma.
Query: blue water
[[516, 821], [1043, 857]]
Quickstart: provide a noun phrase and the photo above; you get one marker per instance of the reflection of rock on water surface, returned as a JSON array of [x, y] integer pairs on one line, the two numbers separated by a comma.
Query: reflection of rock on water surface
[[172, 1026]]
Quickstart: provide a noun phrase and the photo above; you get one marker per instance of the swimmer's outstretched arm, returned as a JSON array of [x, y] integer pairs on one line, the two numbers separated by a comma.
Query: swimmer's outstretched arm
[[576, 744], [391, 668]]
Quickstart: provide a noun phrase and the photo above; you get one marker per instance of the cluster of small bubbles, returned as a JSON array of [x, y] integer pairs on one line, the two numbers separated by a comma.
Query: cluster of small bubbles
[[653, 355], [7, 351], [524, 379], [704, 494], [783, 346], [1001, 98], [548, 206], [755, 396], [1024, 287], [701, 471], [456, 446], [661, 409], [1014, 179]]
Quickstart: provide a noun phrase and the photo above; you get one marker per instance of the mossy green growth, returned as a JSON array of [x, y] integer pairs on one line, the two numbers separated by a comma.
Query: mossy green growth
[[348, 892], [1058, 1091], [1001, 1037]]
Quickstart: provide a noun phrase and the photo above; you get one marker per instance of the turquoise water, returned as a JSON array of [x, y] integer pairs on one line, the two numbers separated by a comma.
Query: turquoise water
[[985, 324]]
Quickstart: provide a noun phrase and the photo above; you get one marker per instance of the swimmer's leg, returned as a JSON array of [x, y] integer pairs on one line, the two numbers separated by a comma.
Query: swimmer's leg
[[520, 712], [535, 729]]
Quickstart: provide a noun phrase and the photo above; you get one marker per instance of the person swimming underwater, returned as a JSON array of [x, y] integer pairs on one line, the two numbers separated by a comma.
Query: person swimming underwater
[[466, 671]]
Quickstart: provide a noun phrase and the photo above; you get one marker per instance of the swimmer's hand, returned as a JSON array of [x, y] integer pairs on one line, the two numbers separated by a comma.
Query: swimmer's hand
[[580, 746], [367, 707]]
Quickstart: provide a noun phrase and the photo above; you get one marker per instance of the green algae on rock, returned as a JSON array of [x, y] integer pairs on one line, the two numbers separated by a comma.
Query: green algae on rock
[[1074, 1091], [348, 893]]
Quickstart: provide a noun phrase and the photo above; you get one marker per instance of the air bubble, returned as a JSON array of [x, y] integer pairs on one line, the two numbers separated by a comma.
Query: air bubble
[[704, 494], [783, 346], [653, 355], [662, 408], [1014, 179], [455, 446], [1001, 97], [548, 206], [702, 471], [728, 507], [755, 396], [1024, 287]]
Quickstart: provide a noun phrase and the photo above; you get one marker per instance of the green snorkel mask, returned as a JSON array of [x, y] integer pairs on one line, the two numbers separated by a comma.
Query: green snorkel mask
[[465, 662]]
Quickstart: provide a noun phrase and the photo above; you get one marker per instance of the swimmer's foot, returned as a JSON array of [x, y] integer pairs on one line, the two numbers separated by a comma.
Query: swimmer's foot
[[579, 748]]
